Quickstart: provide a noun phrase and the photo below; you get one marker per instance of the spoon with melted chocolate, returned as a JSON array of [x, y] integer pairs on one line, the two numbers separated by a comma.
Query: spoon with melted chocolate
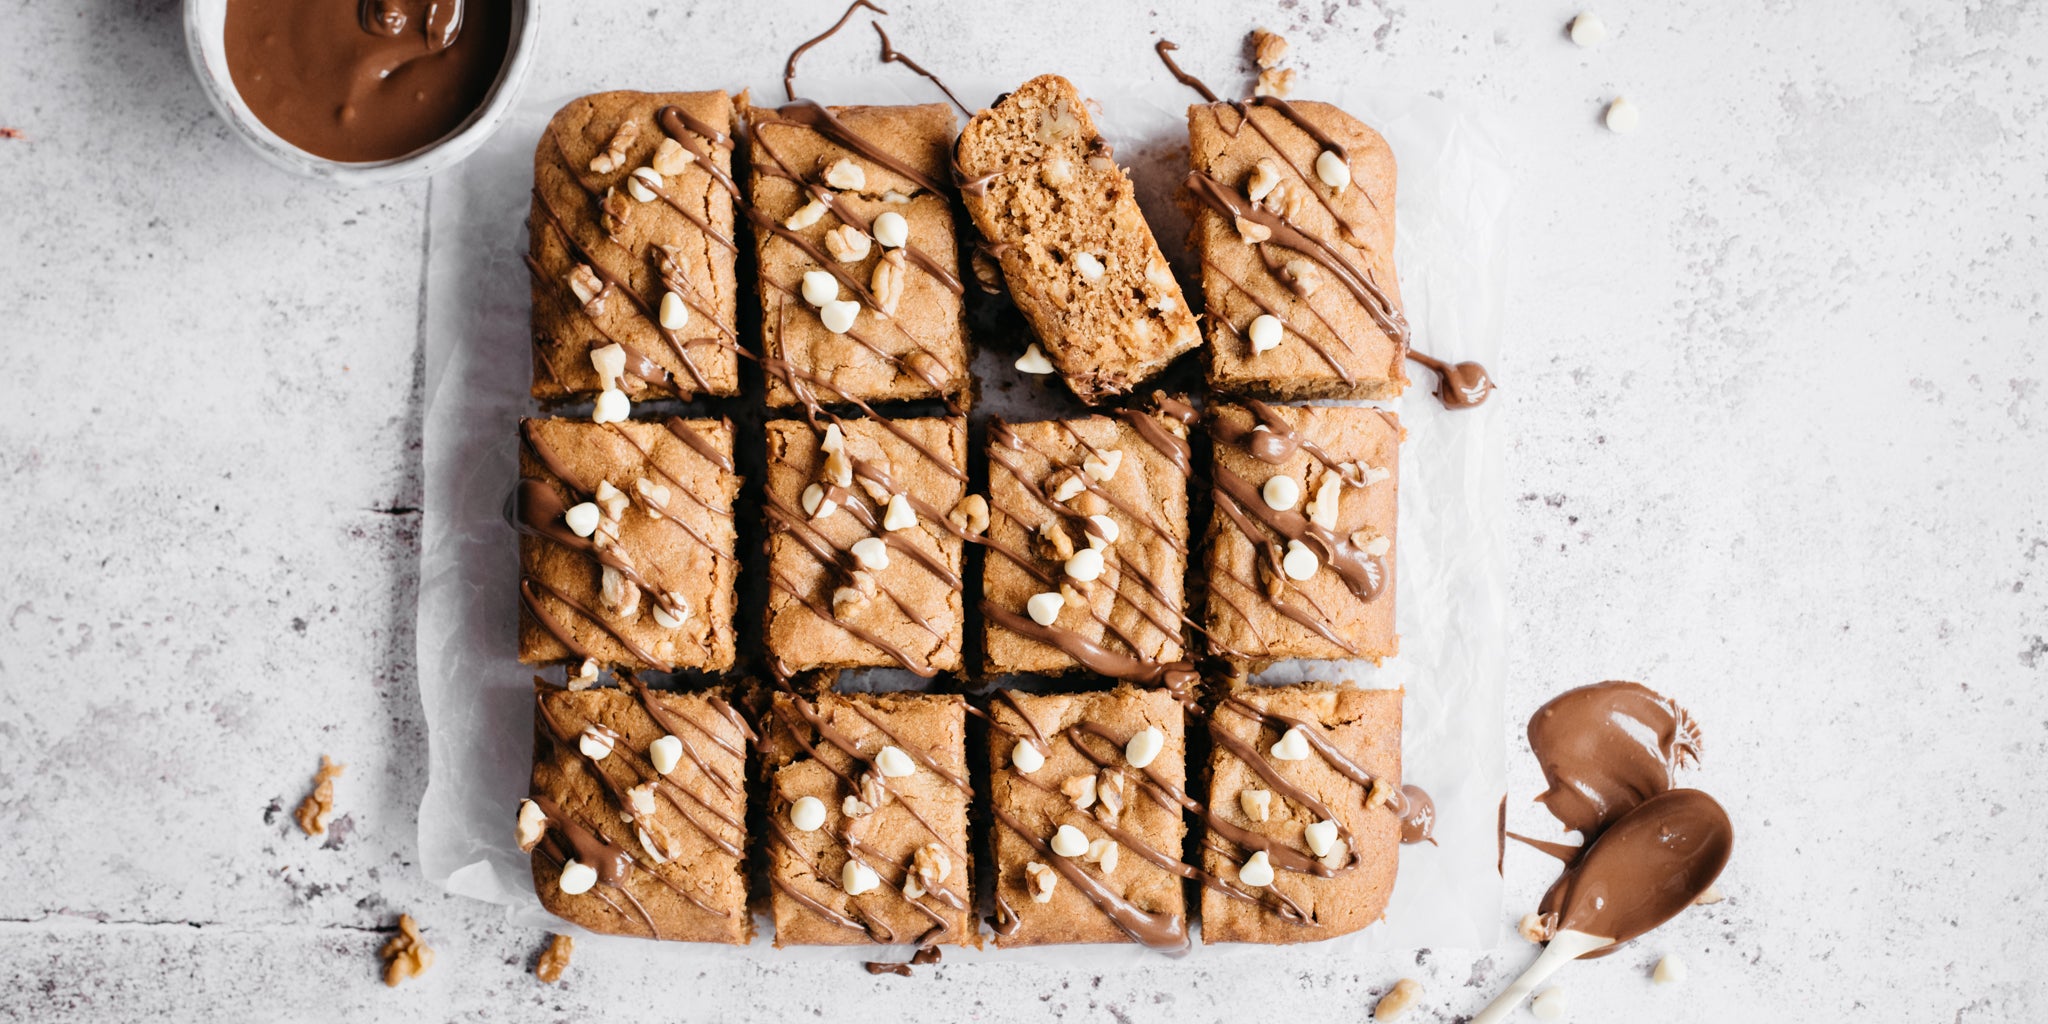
[[1651, 863]]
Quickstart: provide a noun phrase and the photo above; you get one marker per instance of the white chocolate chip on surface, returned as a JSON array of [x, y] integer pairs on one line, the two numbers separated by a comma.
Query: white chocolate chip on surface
[[1281, 493], [1089, 266], [807, 814], [595, 744], [1025, 757], [1103, 466], [1069, 841], [871, 553], [1257, 803], [1085, 565], [1622, 116], [816, 505], [857, 878], [893, 763], [1033, 360], [675, 313], [1588, 30], [1044, 609], [900, 515], [891, 230], [1339, 853], [577, 877], [820, 287], [1670, 970], [1293, 745], [1144, 746], [1331, 170], [532, 822], [612, 407], [1299, 563], [1265, 332], [1069, 487], [667, 619], [854, 807], [1320, 836], [643, 184], [610, 364], [664, 753], [1549, 1004], [805, 216], [1256, 871], [845, 174], [839, 315], [1105, 533], [582, 518]]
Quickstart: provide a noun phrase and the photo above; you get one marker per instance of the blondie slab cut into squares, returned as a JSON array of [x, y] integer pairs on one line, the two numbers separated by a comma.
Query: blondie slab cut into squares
[[1084, 789], [867, 819], [631, 245], [1301, 540], [1304, 782], [863, 565], [858, 258], [636, 819], [626, 543], [1063, 220], [1294, 227], [1088, 546]]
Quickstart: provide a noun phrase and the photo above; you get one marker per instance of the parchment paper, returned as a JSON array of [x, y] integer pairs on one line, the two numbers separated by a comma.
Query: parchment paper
[[1451, 207]]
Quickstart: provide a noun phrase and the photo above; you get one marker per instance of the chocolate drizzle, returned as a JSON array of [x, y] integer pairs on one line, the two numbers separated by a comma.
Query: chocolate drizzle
[[789, 66], [889, 55]]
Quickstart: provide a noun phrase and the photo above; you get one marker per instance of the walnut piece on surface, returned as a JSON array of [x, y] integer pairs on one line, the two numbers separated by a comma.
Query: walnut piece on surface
[[1275, 82], [554, 959], [405, 954], [318, 808], [1269, 48], [1398, 999]]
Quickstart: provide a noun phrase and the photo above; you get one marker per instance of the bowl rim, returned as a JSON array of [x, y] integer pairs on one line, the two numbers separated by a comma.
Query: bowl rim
[[206, 44]]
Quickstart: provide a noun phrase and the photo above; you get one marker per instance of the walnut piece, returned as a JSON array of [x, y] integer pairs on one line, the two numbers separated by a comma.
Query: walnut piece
[[318, 808], [847, 244], [1269, 48], [970, 516], [588, 288], [1040, 881], [929, 867], [1079, 791], [614, 155], [405, 954], [671, 158], [1398, 999], [554, 959], [1252, 231], [887, 282], [1274, 82], [1052, 542]]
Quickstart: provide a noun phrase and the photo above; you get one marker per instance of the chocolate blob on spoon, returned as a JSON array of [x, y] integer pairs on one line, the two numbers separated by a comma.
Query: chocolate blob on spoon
[[1651, 863], [1606, 748]]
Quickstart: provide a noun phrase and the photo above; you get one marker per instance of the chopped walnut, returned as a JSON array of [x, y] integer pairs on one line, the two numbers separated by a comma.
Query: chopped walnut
[[614, 155], [1381, 795], [1286, 200], [1302, 276], [555, 959], [872, 791], [533, 823], [1274, 82], [848, 244], [620, 595], [1052, 543], [318, 808], [1252, 231], [1398, 999], [1079, 791], [1109, 795], [1040, 881], [846, 601], [1074, 593], [929, 867], [588, 288], [970, 516], [1269, 48], [988, 274], [614, 213], [655, 496], [887, 282], [1271, 573], [1057, 122], [1056, 171], [1537, 928], [671, 158], [674, 265], [406, 954]]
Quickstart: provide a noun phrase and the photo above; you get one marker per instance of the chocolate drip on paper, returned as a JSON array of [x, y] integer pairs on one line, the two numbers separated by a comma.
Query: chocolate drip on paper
[[890, 54], [1164, 49], [789, 66]]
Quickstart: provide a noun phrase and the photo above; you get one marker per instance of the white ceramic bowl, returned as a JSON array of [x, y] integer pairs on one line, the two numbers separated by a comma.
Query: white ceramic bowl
[[206, 38]]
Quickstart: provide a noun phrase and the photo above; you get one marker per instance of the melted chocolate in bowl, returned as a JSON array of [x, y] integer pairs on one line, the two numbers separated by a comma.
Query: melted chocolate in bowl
[[1647, 866], [360, 81]]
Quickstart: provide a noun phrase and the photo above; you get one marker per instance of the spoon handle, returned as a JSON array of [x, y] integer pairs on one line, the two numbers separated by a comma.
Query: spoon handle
[[1565, 946]]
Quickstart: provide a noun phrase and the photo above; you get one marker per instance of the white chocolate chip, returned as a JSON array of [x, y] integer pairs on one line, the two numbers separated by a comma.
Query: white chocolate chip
[[1026, 758], [1265, 332], [1089, 266], [675, 313], [1397, 1000], [1069, 487], [1264, 177], [1145, 746], [582, 518], [1588, 30], [1257, 803], [586, 675], [1085, 565], [1548, 1004], [839, 315], [1331, 170], [1711, 896], [854, 807], [805, 216], [1105, 533], [1299, 563], [820, 287], [1281, 493], [1044, 608], [532, 822], [1033, 360], [610, 364], [664, 753], [871, 553], [1339, 853], [1622, 116], [1103, 466], [594, 744], [816, 505], [833, 440], [612, 407], [577, 877], [891, 230], [620, 595], [900, 515], [643, 184], [1322, 509], [1293, 745], [845, 174], [1069, 841], [1320, 836], [893, 763], [671, 619], [857, 878], [655, 495], [1256, 871], [1670, 970]]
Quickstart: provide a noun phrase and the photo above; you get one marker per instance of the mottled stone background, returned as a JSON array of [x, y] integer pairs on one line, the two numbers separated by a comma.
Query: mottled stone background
[[1780, 448]]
